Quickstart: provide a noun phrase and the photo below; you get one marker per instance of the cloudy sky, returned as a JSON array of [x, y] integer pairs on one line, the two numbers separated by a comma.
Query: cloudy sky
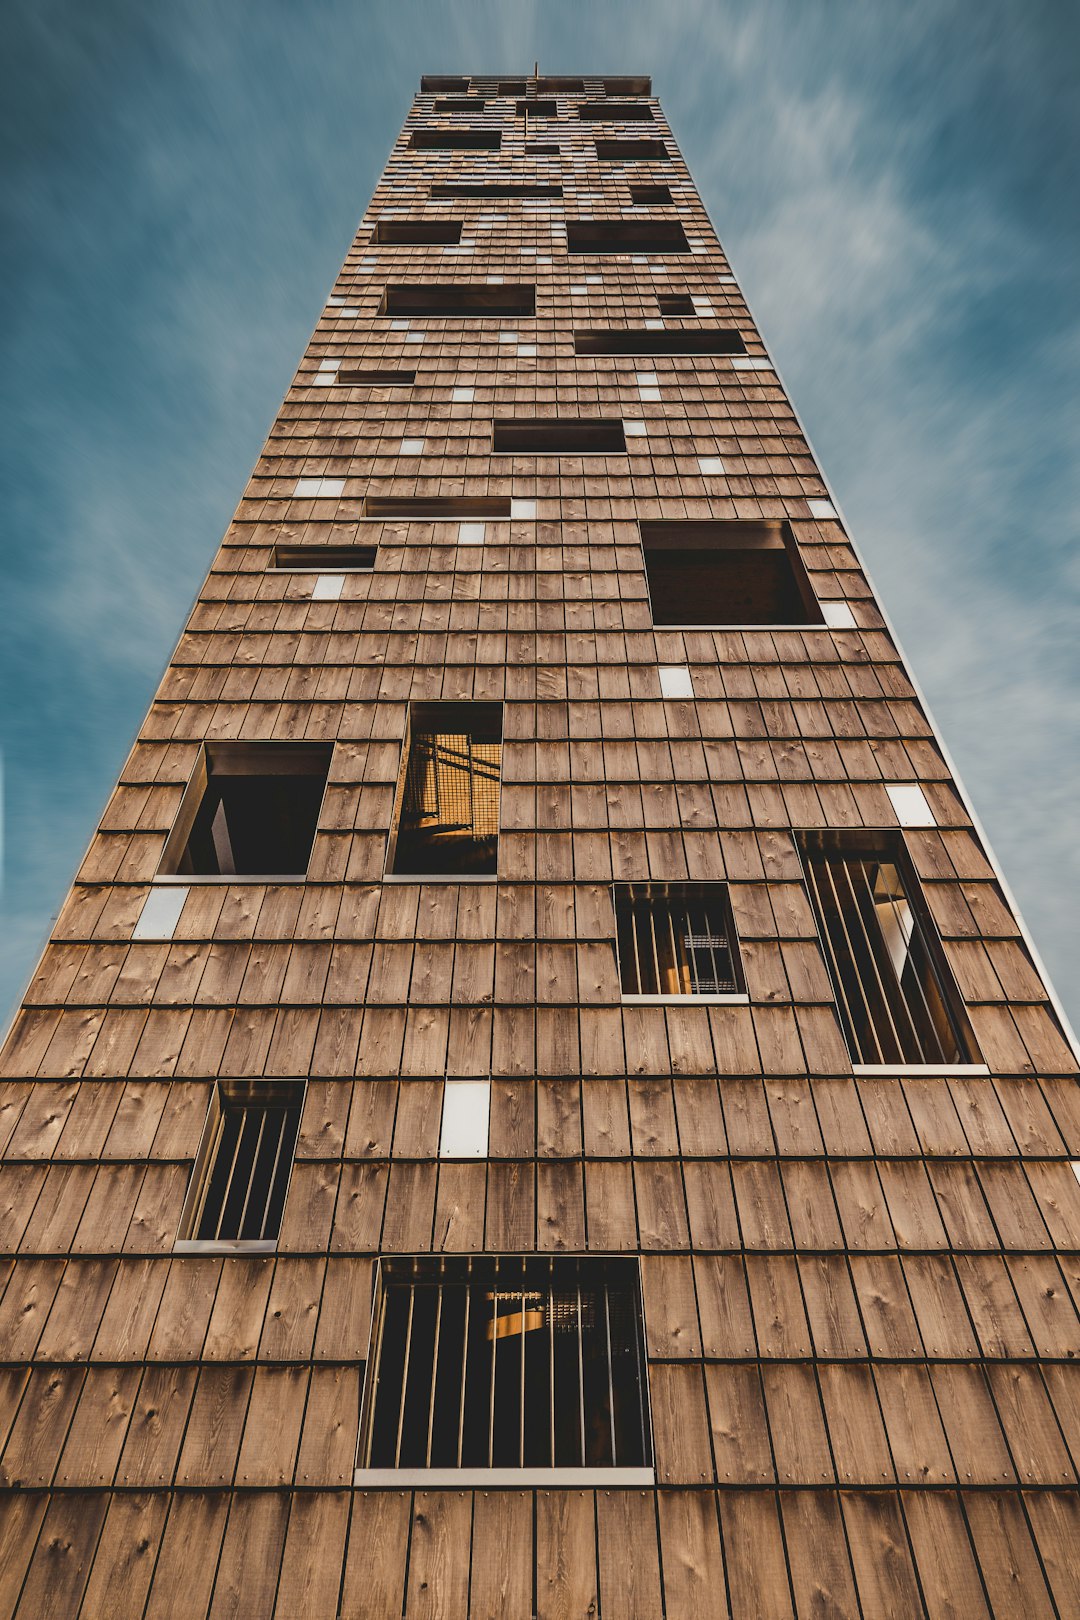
[[896, 189]]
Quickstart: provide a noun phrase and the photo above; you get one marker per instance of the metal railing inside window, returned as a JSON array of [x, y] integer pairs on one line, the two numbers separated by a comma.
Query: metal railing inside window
[[896, 997], [677, 940], [522, 1363], [244, 1163]]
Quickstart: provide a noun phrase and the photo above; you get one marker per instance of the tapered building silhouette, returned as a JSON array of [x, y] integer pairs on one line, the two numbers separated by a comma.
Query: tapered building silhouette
[[538, 1101]]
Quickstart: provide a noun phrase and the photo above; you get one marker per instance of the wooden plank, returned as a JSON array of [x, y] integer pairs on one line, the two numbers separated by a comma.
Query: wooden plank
[[272, 1428], [566, 1572], [835, 1322], [680, 1424], [501, 1581], [629, 1557], [1006, 1554], [1055, 1521], [971, 1425], [251, 1554], [856, 1433], [21, 1514], [313, 1555], [661, 1204], [371, 1119], [609, 1205], [188, 1559], [943, 1556], [157, 1426], [693, 1562], [236, 1321], [60, 1566], [292, 1310], [99, 1426], [40, 1429], [374, 1582], [821, 1576], [779, 1317], [439, 1555], [126, 1554], [758, 1582], [881, 1558], [331, 1425], [740, 1430], [184, 1312], [797, 1424], [917, 1441], [215, 1426]]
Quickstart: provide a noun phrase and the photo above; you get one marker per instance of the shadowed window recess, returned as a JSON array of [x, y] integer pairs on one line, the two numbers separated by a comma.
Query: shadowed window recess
[[420, 298], [250, 809], [245, 1159], [448, 817], [505, 189], [325, 559], [449, 84], [632, 152], [897, 999], [676, 939], [626, 236], [417, 232], [537, 109], [514, 1363], [616, 111], [651, 194], [717, 340], [733, 572], [558, 436], [455, 140]]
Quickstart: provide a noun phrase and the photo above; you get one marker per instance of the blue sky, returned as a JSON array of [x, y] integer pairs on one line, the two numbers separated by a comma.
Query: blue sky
[[895, 186]]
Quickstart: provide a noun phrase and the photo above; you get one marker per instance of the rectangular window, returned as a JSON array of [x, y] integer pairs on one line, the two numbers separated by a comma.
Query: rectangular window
[[448, 812], [323, 559], [495, 190], [438, 506], [455, 140], [450, 85], [721, 340], [567, 86], [466, 1107], [734, 572], [623, 86], [417, 232], [558, 436], [616, 112], [374, 377], [537, 109], [512, 87], [242, 1169], [652, 194], [449, 299], [897, 1000], [492, 1369], [675, 304], [632, 152], [473, 104], [676, 939], [626, 236], [250, 809]]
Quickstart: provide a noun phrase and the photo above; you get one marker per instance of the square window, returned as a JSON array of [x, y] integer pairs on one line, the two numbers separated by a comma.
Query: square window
[[675, 681], [236, 1196], [676, 939], [464, 1131], [726, 572], [250, 809], [484, 1364], [448, 798]]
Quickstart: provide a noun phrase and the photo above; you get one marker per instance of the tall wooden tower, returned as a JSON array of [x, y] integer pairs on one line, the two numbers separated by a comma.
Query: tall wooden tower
[[537, 1101]]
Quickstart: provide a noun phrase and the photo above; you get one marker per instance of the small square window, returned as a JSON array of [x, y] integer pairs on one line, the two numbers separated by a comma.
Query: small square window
[[676, 939], [675, 681], [464, 1133], [237, 1192], [910, 804]]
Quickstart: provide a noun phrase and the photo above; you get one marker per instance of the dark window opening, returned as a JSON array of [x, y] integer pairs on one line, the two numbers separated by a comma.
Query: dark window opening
[[721, 340], [626, 236], [512, 87], [676, 939], [448, 821], [441, 82], [545, 150], [623, 86], [455, 140], [651, 194], [558, 436], [897, 1000], [537, 109], [735, 572], [496, 190], [250, 809], [632, 152], [374, 376], [567, 86], [325, 559], [437, 506], [418, 232], [675, 304], [461, 298], [516, 1362], [616, 111], [245, 1158], [473, 104]]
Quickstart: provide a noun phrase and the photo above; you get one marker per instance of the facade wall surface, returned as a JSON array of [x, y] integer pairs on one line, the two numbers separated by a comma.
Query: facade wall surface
[[860, 1288]]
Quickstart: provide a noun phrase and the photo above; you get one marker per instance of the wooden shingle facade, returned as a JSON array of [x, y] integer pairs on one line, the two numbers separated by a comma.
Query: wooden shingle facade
[[534, 396]]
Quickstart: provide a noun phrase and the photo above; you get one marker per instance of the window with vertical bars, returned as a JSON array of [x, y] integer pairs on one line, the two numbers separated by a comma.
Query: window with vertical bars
[[525, 1364], [896, 997], [244, 1162], [676, 939], [448, 821]]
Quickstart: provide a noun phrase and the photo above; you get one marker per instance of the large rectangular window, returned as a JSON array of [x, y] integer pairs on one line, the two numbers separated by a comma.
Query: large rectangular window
[[631, 340], [506, 1370], [455, 140], [417, 232], [251, 809], [418, 298], [726, 572], [616, 112], [448, 814], [632, 152], [897, 1000], [242, 1170], [626, 236], [558, 436], [676, 939]]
